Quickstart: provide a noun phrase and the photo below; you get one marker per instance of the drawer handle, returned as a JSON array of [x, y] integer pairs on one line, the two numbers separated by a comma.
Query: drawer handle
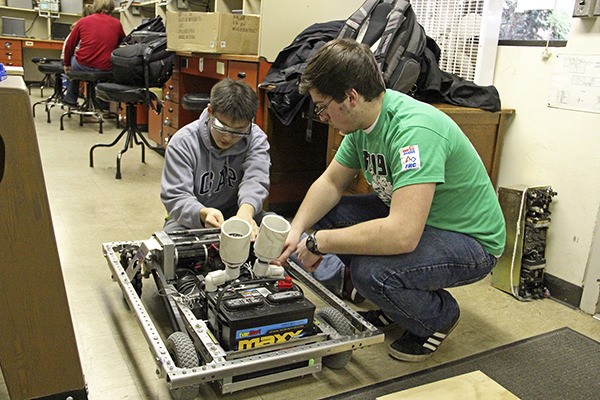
[[170, 109], [168, 97]]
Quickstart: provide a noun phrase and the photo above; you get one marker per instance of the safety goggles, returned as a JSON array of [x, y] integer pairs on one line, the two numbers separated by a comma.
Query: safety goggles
[[318, 110], [225, 130]]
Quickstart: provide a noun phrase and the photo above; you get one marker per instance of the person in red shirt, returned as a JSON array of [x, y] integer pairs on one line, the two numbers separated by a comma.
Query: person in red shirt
[[97, 35]]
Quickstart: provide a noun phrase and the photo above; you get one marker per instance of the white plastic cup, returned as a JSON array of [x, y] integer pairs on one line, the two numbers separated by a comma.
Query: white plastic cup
[[235, 241], [271, 237]]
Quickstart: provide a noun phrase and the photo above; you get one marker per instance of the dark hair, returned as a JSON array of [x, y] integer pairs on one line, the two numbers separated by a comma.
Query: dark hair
[[234, 100], [341, 65]]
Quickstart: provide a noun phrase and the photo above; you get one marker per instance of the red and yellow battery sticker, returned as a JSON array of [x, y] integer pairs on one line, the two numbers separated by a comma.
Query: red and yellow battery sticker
[[270, 334]]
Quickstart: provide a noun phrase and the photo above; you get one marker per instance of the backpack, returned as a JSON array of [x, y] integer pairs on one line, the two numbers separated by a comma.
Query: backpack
[[155, 24], [397, 40], [146, 63]]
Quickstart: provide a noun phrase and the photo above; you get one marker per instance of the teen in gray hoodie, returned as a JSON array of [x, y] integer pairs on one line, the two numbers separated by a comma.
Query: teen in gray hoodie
[[217, 167]]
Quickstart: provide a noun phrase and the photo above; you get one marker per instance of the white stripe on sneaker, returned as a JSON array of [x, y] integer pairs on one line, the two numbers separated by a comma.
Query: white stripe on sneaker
[[430, 347]]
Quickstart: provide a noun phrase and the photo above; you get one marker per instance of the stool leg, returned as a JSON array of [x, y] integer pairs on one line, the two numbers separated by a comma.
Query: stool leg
[[124, 131]]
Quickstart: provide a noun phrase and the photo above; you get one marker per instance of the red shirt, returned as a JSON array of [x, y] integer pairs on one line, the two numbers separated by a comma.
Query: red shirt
[[97, 35]]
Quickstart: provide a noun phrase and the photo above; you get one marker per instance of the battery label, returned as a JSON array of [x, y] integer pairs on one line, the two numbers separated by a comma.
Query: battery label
[[268, 340], [259, 291], [263, 330]]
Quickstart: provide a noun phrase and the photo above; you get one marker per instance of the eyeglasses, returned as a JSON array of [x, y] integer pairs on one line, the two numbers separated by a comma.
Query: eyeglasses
[[225, 130], [320, 109]]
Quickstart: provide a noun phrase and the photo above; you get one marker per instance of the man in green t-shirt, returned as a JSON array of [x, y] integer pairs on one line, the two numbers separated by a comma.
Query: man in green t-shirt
[[433, 221]]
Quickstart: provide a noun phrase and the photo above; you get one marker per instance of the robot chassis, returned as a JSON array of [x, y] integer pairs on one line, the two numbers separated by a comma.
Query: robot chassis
[[237, 326]]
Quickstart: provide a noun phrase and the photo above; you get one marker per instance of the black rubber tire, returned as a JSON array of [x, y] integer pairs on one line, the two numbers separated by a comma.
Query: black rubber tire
[[337, 321], [182, 350]]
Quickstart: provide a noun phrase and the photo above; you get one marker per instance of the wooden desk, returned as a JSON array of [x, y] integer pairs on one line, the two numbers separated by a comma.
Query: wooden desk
[[38, 350], [197, 73], [12, 48], [483, 128]]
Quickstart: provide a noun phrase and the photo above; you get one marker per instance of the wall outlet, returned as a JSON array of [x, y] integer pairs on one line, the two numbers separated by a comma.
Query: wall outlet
[[584, 8]]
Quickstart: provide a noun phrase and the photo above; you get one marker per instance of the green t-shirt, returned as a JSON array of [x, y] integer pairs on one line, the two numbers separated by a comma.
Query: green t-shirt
[[413, 142]]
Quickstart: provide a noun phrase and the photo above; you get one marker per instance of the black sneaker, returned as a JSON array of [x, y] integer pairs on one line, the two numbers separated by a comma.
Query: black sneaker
[[410, 347], [377, 318]]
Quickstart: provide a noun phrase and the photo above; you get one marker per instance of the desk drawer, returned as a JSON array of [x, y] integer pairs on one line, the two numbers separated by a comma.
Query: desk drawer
[[171, 91], [11, 63], [11, 56], [204, 66], [171, 115], [11, 45]]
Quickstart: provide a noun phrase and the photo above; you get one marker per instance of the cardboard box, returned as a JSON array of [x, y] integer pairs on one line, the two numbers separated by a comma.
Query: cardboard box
[[216, 32]]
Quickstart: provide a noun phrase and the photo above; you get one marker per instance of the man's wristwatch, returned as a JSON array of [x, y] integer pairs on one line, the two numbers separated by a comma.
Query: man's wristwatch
[[311, 244]]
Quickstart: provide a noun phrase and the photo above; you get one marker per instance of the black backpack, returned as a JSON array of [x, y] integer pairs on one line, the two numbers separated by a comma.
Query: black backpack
[[146, 63], [391, 29], [155, 24]]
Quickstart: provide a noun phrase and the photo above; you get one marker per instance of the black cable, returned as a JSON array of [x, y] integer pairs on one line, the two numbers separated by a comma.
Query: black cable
[[32, 22]]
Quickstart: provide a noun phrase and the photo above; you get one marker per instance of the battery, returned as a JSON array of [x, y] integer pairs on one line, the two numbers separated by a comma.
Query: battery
[[254, 315]]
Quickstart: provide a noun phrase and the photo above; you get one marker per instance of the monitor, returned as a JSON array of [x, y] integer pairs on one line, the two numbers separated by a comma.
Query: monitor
[[60, 31], [13, 26]]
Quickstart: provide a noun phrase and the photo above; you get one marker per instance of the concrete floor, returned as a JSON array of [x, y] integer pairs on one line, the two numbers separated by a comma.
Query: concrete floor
[[90, 207]]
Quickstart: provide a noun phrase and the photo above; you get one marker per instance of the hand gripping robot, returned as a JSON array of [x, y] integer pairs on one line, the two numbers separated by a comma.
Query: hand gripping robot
[[237, 320]]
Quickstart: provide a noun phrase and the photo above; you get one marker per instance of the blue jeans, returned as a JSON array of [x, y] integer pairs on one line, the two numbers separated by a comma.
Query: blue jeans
[[72, 92], [409, 287]]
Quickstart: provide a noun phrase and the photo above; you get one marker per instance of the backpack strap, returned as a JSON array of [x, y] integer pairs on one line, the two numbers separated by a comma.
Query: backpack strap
[[356, 20], [146, 57], [395, 18]]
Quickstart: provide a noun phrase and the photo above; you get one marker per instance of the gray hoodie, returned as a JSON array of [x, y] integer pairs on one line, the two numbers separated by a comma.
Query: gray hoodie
[[198, 175]]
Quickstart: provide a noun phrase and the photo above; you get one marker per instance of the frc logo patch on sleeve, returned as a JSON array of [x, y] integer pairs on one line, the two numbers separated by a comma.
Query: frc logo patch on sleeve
[[410, 157]]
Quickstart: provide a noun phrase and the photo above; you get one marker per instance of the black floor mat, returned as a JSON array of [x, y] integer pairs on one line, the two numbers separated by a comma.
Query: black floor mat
[[562, 364]]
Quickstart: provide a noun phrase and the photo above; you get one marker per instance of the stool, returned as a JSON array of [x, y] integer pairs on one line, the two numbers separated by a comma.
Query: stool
[[54, 68], [48, 76], [195, 101], [90, 106], [132, 96]]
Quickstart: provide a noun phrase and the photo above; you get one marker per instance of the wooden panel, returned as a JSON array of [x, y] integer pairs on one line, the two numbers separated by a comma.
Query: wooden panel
[[470, 386], [42, 44], [250, 70], [38, 351], [155, 127]]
